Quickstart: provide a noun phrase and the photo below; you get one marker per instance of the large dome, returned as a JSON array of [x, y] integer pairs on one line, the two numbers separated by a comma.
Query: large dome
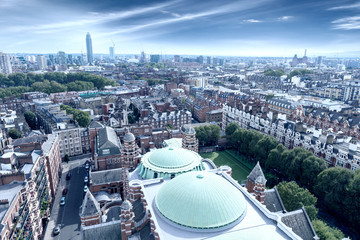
[[168, 162], [201, 201]]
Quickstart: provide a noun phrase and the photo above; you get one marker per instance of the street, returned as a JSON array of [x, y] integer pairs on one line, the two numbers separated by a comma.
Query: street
[[68, 216]]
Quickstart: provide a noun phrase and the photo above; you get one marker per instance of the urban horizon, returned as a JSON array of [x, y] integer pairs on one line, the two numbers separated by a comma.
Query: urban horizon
[[271, 28]]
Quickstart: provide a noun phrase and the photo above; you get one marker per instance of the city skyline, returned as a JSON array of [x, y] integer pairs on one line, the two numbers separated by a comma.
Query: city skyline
[[226, 28]]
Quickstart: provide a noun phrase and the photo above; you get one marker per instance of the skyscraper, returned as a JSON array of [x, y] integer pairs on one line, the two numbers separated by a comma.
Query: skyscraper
[[112, 53], [5, 64], [41, 62], [61, 58], [89, 50]]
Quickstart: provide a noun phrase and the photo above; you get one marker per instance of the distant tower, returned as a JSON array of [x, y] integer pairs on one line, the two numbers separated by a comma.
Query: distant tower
[[189, 140], [41, 62], [89, 49], [5, 64], [112, 52], [130, 152]]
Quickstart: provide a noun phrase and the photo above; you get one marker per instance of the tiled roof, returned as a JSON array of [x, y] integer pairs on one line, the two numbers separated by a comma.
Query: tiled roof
[[106, 176], [108, 142], [273, 201], [255, 173], [103, 231], [300, 223], [90, 206]]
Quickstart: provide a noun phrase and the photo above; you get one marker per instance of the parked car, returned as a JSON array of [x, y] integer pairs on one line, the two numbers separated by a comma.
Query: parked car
[[85, 189], [86, 179], [65, 190], [56, 230], [87, 165], [68, 176], [62, 201]]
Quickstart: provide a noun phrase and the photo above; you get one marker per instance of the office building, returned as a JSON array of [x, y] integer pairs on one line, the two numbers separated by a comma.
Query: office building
[[155, 58], [41, 62], [89, 49]]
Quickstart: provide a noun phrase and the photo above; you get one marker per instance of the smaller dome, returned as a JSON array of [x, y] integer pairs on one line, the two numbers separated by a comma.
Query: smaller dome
[[168, 162], [188, 130], [129, 137]]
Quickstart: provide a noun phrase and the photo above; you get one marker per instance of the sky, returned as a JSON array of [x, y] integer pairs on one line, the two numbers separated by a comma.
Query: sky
[[196, 27]]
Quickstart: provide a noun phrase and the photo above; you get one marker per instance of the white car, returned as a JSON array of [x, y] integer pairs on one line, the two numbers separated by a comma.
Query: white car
[[86, 179], [85, 189], [62, 201]]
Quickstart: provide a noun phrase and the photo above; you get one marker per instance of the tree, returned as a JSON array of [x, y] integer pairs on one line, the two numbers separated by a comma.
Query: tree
[[208, 135], [263, 148], [352, 201], [231, 128], [296, 158], [331, 186], [14, 133], [30, 118], [66, 158], [253, 138], [311, 167], [269, 96], [325, 232], [295, 197], [274, 158], [82, 118]]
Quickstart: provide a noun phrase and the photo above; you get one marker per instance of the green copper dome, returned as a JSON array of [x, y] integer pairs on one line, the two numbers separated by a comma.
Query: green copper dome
[[172, 157], [168, 162], [201, 200]]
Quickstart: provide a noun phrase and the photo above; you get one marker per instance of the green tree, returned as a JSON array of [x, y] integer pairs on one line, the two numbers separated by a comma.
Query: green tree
[[331, 186], [82, 118], [295, 197], [14, 133], [30, 119], [352, 201], [66, 158], [263, 148], [208, 135], [269, 96], [231, 128], [19, 79], [325, 232], [311, 167], [296, 158], [274, 158]]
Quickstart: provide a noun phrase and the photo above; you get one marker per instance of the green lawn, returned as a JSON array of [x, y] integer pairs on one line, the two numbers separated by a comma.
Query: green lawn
[[239, 170]]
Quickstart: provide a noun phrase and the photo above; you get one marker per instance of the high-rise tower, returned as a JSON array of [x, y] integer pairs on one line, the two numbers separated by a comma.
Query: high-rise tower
[[112, 52], [5, 64], [89, 50]]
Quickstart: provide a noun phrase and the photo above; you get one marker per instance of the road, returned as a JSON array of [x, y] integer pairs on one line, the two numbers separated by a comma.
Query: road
[[68, 216]]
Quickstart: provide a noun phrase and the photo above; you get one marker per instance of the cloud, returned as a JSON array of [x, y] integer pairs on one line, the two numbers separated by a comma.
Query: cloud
[[91, 18], [251, 21], [284, 18], [225, 9], [347, 23], [342, 7]]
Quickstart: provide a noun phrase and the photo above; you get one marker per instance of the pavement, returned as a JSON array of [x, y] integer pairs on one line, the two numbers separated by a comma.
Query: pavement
[[68, 216]]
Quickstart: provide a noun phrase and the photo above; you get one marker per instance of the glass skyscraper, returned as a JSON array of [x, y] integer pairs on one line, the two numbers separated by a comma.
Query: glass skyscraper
[[89, 50]]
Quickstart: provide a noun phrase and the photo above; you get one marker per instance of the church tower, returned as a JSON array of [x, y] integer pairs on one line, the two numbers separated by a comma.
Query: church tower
[[189, 140], [130, 152]]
